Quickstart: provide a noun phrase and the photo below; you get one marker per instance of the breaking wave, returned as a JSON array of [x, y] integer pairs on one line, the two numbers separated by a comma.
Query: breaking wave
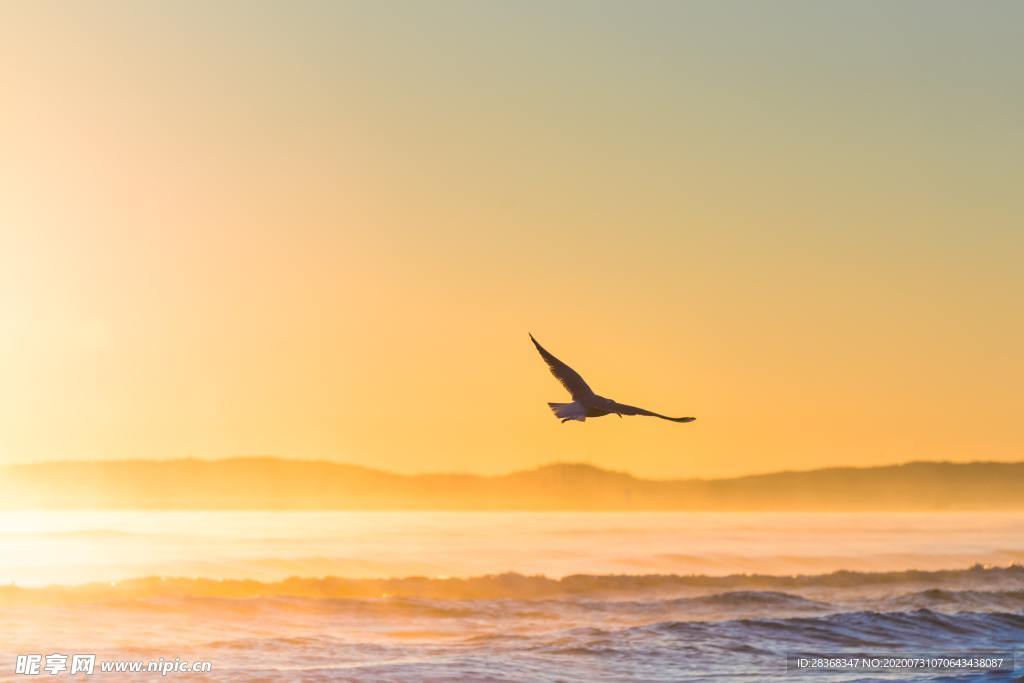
[[512, 627], [971, 587]]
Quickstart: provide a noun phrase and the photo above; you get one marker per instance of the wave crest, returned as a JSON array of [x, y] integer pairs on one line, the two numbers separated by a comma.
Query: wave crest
[[930, 586]]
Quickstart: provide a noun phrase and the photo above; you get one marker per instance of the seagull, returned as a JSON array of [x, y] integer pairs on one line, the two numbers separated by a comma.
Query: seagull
[[585, 403]]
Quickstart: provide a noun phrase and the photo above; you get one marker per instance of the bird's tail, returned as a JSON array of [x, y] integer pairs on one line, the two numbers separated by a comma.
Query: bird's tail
[[568, 411]]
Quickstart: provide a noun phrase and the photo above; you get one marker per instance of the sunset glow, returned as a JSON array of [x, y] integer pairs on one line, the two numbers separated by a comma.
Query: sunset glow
[[228, 236], [281, 284]]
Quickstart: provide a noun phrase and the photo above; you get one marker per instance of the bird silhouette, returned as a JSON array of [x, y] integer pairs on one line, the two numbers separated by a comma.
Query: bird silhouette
[[585, 403]]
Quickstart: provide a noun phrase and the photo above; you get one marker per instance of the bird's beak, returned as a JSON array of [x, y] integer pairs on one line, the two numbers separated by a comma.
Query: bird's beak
[[620, 415]]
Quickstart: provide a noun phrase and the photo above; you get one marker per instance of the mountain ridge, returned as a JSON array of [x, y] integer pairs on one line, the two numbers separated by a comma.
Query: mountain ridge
[[266, 482]]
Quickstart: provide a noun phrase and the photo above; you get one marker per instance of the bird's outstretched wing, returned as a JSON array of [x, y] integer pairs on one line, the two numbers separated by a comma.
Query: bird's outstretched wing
[[569, 378], [623, 409]]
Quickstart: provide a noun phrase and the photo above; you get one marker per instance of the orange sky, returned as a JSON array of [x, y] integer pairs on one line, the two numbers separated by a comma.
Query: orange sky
[[324, 230]]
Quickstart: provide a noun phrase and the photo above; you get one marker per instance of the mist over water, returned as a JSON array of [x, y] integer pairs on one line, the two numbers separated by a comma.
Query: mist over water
[[38, 548], [509, 596]]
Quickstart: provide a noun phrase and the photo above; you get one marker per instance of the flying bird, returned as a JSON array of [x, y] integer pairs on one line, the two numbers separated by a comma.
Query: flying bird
[[585, 403]]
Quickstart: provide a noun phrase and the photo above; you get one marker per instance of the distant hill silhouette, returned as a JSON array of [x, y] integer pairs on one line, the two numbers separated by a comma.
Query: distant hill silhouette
[[279, 484]]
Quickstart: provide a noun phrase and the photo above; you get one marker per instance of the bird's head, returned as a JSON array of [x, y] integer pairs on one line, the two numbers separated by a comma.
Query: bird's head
[[610, 403]]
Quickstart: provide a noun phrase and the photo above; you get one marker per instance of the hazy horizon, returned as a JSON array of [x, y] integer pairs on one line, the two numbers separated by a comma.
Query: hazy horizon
[[278, 484], [500, 473]]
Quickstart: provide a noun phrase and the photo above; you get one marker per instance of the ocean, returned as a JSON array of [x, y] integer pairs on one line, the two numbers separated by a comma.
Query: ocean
[[397, 596]]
